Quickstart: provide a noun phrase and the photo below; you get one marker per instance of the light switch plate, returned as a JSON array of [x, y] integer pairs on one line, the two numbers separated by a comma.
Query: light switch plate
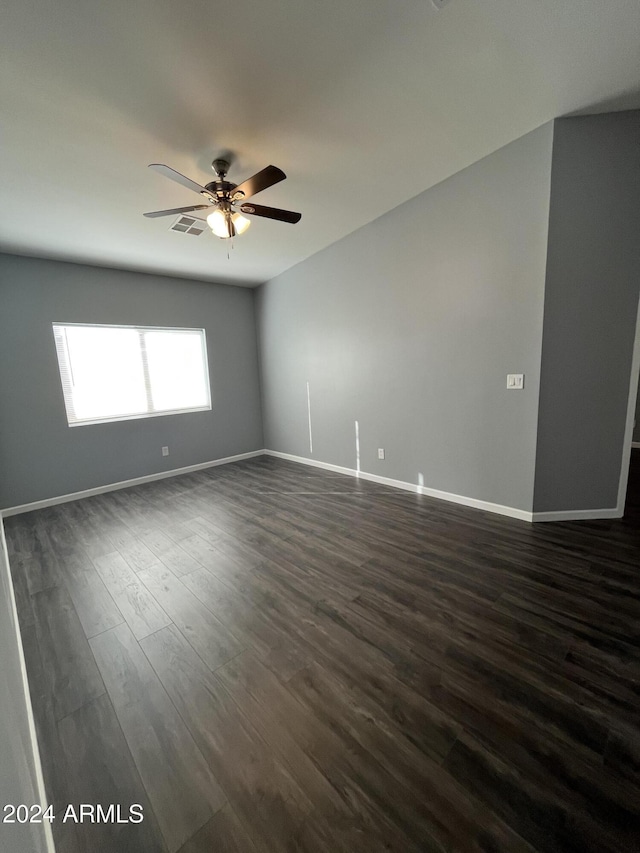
[[515, 381]]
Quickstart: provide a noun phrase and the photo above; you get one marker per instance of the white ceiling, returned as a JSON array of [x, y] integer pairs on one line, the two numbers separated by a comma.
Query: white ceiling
[[363, 103]]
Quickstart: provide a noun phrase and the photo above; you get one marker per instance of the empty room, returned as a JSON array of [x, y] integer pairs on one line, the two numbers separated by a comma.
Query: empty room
[[320, 426]]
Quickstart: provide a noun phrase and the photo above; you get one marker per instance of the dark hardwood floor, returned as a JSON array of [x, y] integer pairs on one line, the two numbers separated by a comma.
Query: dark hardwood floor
[[269, 657]]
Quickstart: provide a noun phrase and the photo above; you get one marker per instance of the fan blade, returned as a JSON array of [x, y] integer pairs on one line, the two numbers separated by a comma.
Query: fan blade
[[161, 169], [271, 213], [260, 181], [176, 210]]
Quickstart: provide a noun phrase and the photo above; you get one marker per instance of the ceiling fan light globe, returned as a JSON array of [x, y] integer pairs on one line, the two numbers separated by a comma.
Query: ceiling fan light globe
[[219, 224], [240, 223], [225, 224]]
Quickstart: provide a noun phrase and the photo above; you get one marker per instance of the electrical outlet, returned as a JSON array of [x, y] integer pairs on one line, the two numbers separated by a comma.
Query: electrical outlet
[[515, 381], [381, 453], [165, 451]]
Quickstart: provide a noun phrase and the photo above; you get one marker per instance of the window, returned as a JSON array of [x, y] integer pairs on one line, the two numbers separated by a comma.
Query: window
[[113, 373]]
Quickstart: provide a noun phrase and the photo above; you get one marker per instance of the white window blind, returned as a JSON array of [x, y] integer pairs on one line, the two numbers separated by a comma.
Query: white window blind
[[112, 373]]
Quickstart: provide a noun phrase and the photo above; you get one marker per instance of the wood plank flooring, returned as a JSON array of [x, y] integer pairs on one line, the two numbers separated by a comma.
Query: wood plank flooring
[[271, 658]]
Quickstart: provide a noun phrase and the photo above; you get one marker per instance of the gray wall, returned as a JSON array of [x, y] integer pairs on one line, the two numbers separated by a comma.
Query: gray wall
[[17, 765], [40, 456], [591, 301], [410, 325]]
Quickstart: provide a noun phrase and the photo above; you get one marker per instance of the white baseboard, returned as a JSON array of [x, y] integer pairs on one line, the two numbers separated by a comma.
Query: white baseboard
[[474, 503], [578, 514], [499, 509], [124, 484], [44, 841], [463, 500]]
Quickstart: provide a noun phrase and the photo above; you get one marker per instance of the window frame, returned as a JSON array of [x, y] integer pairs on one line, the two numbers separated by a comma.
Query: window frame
[[68, 403]]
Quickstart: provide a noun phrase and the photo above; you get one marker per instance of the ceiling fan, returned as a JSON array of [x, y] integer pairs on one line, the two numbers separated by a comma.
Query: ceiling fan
[[227, 199]]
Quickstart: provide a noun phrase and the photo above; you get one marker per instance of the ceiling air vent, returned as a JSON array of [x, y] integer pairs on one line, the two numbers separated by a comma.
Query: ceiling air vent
[[189, 225]]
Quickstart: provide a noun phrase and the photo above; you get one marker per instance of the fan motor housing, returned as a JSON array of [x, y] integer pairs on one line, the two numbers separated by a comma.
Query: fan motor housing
[[220, 188]]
